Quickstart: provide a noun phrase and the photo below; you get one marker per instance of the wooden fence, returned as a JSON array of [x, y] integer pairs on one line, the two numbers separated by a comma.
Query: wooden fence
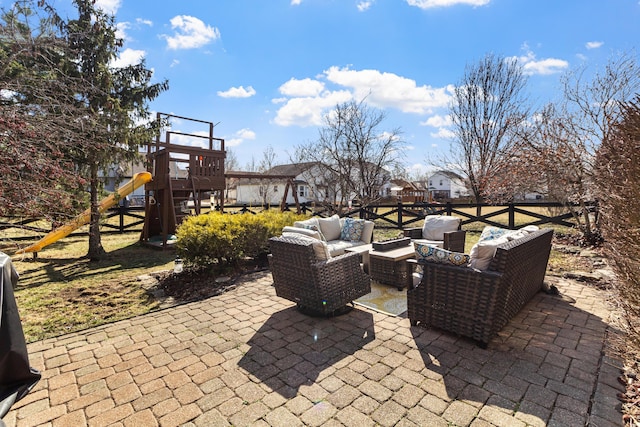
[[391, 216]]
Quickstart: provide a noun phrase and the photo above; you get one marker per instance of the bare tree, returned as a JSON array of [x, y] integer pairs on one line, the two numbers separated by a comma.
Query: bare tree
[[557, 151], [487, 108], [265, 186], [353, 155], [231, 161]]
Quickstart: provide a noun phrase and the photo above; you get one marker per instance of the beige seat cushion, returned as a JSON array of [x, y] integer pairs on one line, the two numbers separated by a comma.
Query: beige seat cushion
[[302, 231], [310, 224], [483, 252], [320, 248], [435, 226]]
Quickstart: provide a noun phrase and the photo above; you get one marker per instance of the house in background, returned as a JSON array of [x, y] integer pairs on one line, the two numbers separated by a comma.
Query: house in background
[[447, 185], [408, 191], [310, 182], [262, 189]]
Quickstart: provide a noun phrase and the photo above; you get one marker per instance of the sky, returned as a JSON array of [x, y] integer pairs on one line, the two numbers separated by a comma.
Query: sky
[[267, 71]]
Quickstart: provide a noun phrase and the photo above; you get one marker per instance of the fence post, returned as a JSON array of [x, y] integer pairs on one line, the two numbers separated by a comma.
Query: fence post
[[122, 210], [449, 209], [400, 207], [512, 216]]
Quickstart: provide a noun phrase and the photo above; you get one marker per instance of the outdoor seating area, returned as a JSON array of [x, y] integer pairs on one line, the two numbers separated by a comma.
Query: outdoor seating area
[[470, 295]]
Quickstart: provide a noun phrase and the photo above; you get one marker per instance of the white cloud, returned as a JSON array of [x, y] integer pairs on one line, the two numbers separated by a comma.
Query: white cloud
[[309, 111], [546, 66], [144, 22], [532, 65], [239, 137], [364, 5], [306, 101], [593, 45], [438, 121], [304, 87], [389, 90], [295, 2], [108, 6], [128, 57], [121, 30], [238, 92], [246, 134], [190, 33], [174, 63], [428, 4], [443, 133]]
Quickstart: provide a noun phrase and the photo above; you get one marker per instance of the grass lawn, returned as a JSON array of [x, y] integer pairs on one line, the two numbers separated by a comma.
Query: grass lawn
[[60, 291]]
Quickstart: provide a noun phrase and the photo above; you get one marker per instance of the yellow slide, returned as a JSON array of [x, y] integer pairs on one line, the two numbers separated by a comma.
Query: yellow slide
[[84, 218]]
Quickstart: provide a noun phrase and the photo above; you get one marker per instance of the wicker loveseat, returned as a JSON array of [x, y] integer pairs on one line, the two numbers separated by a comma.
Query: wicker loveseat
[[330, 230], [475, 303], [316, 282]]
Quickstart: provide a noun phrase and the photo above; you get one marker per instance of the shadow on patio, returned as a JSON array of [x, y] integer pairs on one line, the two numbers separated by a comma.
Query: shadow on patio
[[543, 368], [291, 349]]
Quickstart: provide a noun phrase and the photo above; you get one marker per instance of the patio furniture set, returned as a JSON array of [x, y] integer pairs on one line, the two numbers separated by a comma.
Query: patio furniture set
[[324, 264]]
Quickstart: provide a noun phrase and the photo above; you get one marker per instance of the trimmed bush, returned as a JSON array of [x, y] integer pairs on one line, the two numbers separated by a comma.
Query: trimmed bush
[[223, 239]]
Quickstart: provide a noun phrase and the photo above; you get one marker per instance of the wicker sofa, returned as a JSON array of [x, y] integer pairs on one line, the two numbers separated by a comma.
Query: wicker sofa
[[475, 303], [330, 230], [441, 230], [304, 272]]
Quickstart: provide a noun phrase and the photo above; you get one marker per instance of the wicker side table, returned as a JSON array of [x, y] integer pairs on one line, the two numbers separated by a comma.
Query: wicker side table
[[389, 267], [363, 251]]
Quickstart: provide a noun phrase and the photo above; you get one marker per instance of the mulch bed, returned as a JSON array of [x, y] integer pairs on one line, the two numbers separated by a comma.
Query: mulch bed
[[198, 284]]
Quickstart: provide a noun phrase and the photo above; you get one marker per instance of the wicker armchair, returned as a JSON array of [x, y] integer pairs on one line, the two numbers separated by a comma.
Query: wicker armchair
[[477, 304], [319, 286], [451, 240]]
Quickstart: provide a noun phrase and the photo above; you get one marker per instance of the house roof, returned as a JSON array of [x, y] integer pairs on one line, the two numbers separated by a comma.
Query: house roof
[[403, 184], [293, 169], [448, 174]]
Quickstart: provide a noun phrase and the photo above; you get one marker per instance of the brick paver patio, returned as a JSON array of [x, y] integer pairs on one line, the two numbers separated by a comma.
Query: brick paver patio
[[249, 358]]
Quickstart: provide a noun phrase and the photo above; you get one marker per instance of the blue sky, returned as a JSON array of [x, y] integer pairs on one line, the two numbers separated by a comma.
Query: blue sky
[[268, 70]]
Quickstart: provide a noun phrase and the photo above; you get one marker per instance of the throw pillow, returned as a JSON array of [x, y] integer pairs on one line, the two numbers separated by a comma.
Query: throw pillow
[[302, 231], [432, 253], [320, 248], [435, 226], [522, 232], [330, 227], [310, 224], [352, 229], [491, 233], [483, 252]]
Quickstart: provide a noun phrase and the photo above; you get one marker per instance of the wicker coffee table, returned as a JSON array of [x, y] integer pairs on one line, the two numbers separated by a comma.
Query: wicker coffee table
[[389, 267]]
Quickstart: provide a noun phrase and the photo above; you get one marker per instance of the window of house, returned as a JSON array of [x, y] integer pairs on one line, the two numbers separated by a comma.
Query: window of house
[[430, 183], [275, 188], [440, 183], [302, 191]]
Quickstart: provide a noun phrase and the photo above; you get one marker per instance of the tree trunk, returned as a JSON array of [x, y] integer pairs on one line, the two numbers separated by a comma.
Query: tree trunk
[[96, 251]]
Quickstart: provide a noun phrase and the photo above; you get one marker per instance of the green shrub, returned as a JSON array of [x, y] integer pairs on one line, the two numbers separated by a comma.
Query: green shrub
[[224, 239]]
